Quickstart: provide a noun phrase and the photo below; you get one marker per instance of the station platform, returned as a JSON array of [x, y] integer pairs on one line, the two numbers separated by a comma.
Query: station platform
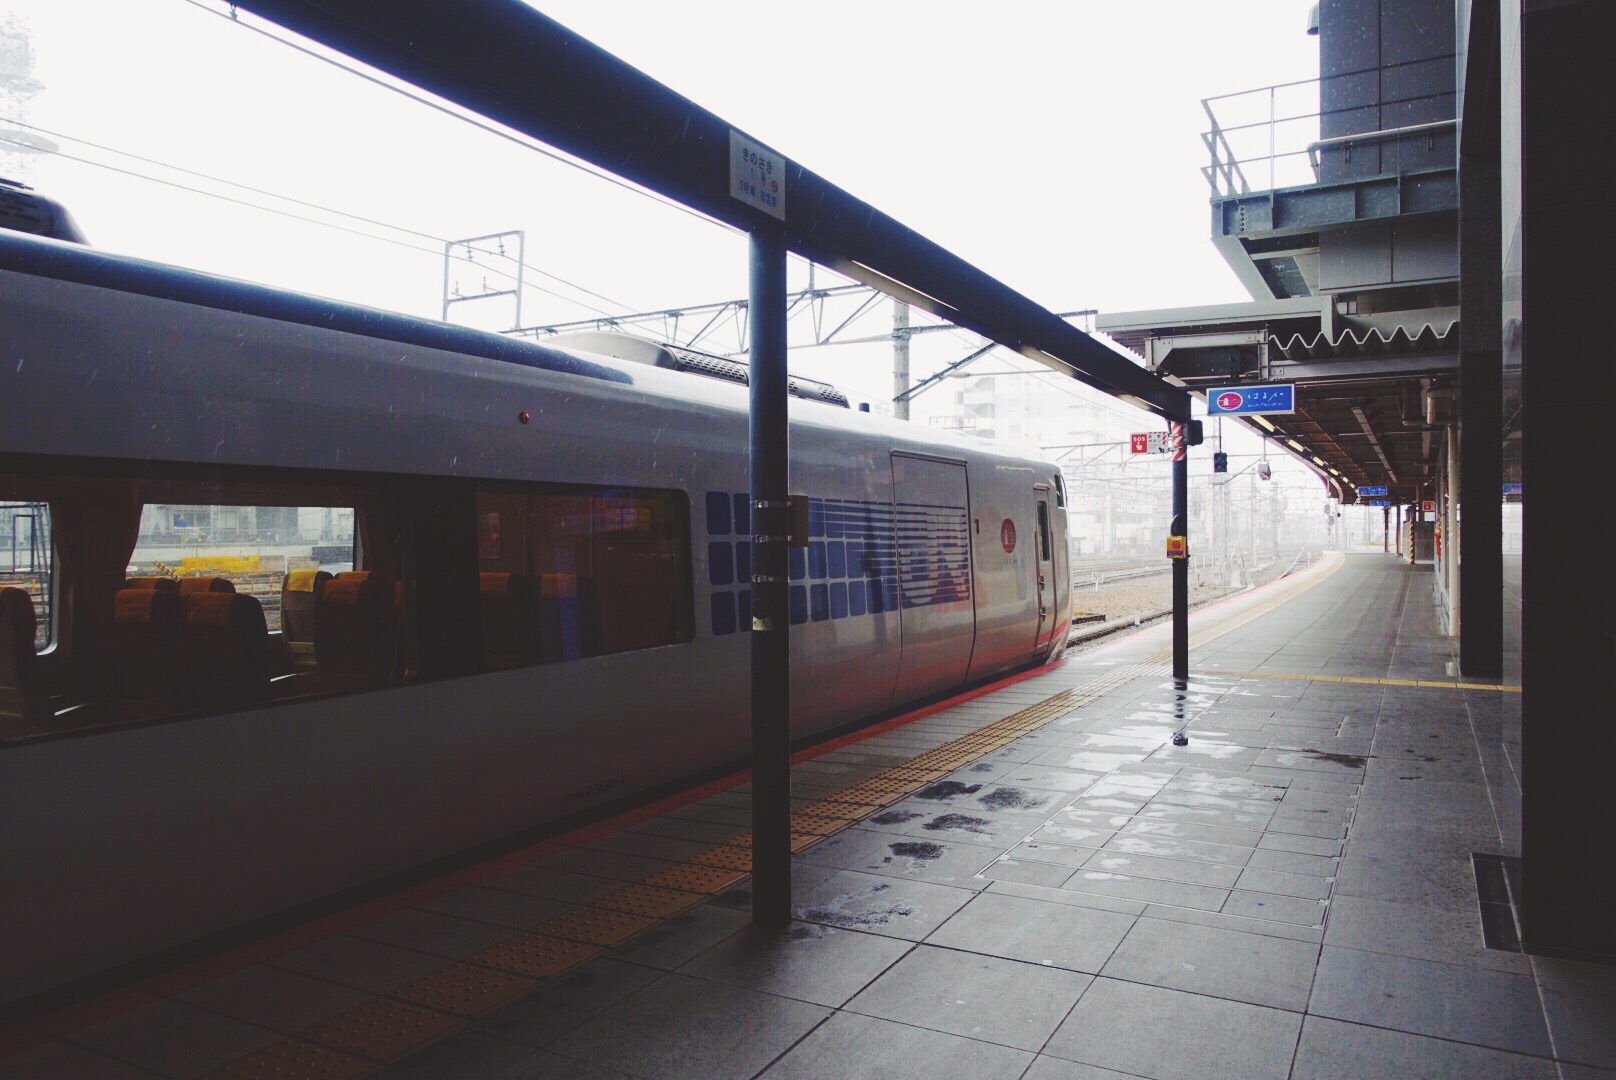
[[1029, 880]]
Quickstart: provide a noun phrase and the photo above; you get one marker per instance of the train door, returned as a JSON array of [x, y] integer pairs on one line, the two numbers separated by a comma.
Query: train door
[[1048, 606], [932, 531]]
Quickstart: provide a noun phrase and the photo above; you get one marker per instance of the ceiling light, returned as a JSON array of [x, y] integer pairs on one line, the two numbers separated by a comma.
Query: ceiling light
[[1294, 445]]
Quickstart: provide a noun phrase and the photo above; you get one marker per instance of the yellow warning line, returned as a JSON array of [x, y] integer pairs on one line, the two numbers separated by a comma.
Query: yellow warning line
[[1503, 688]]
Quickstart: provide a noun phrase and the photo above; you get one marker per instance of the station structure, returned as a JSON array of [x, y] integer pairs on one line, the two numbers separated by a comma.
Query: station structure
[[1367, 855]]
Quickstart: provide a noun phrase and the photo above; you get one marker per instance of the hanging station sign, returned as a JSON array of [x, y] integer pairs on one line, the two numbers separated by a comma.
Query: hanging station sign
[[1251, 400]]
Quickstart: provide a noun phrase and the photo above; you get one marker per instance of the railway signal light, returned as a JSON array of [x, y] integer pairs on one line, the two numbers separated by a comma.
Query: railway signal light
[[1220, 462]]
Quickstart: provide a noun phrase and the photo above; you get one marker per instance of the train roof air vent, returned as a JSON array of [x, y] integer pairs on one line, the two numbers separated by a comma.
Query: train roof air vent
[[677, 358], [23, 210]]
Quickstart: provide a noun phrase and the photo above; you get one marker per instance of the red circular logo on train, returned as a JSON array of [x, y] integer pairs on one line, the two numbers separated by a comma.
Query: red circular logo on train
[[1230, 400], [1007, 535]]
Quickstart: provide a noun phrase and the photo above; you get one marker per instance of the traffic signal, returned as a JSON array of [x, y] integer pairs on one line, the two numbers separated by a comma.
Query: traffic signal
[[1264, 470], [1220, 462]]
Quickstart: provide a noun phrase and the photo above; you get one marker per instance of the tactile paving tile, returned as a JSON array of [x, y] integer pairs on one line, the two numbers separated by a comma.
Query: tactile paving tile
[[799, 840], [725, 856], [817, 825], [648, 900], [839, 807], [703, 879], [911, 773], [464, 989], [534, 955], [596, 926], [290, 1059], [383, 1029]]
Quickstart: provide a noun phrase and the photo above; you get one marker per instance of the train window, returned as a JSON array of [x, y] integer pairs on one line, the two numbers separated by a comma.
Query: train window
[[1043, 530], [254, 548], [1060, 491], [570, 572], [26, 553]]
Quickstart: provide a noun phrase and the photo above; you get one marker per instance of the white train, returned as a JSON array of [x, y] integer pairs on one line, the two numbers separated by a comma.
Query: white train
[[543, 607]]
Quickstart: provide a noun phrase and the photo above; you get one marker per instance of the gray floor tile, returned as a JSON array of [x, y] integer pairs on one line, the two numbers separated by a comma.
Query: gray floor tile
[[561, 1005], [1426, 933], [1328, 847], [1034, 931], [173, 1039], [938, 861], [1274, 881], [1170, 848], [1054, 1068], [684, 1027], [64, 1061], [1047, 874], [1263, 927], [470, 1054], [1172, 1035], [1182, 830], [1147, 890], [683, 937], [1448, 1001], [980, 997], [1067, 897], [364, 965], [852, 900], [1331, 1050], [1580, 1000], [536, 880], [1037, 850], [1293, 862], [808, 962], [1291, 909], [1217, 962], [853, 1047], [1217, 875], [518, 911], [1408, 873], [275, 998], [429, 932]]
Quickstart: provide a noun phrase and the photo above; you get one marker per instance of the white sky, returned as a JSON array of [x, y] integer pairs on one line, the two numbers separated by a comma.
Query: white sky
[[1057, 145]]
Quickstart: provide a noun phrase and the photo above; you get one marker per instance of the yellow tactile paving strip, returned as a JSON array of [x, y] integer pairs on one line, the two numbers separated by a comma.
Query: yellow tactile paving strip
[[392, 1026], [1439, 684]]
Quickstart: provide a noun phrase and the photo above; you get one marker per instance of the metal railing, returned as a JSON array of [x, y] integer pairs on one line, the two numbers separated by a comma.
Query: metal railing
[[1272, 133]]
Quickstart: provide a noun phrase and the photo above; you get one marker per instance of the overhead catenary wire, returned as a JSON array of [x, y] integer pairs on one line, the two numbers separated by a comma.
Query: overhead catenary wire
[[403, 229]]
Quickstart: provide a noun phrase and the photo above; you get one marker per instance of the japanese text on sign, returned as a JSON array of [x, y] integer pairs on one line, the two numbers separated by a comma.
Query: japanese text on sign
[[1271, 398], [757, 175], [1150, 442]]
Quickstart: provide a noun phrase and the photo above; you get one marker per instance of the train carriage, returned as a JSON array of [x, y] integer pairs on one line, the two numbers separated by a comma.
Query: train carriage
[[476, 584]]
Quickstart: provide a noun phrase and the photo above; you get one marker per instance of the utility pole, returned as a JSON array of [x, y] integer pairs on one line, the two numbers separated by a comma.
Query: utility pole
[[900, 359]]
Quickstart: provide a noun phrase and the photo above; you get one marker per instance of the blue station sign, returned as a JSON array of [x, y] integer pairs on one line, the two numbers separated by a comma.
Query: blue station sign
[[1372, 489], [1267, 398], [1376, 502]]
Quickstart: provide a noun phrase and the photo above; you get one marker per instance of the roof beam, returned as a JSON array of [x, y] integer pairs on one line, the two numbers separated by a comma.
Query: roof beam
[[505, 61]]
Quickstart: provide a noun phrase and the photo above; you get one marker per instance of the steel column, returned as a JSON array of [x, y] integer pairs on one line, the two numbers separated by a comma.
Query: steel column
[[1181, 567], [768, 454]]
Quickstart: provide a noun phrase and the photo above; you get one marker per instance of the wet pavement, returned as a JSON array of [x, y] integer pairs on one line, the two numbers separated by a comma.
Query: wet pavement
[[1292, 894]]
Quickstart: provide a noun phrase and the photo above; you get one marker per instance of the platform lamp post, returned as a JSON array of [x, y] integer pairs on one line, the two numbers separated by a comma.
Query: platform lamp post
[[768, 452], [1184, 434]]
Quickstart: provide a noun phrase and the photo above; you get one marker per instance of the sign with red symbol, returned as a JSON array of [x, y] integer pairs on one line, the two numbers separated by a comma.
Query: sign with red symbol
[[1264, 398], [1007, 536], [1149, 442], [1178, 547]]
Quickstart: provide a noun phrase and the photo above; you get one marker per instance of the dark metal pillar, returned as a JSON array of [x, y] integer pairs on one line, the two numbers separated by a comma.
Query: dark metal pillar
[[1481, 358], [1385, 529], [1181, 567], [768, 451]]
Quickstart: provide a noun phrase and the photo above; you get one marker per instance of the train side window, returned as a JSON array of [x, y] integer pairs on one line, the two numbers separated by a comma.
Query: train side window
[[253, 548], [604, 570], [27, 562], [1043, 530], [1060, 491]]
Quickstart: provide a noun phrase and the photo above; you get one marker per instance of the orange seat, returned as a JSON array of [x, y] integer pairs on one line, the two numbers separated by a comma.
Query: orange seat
[[353, 630], [144, 623], [164, 584], [24, 703], [300, 593], [223, 651], [206, 585]]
